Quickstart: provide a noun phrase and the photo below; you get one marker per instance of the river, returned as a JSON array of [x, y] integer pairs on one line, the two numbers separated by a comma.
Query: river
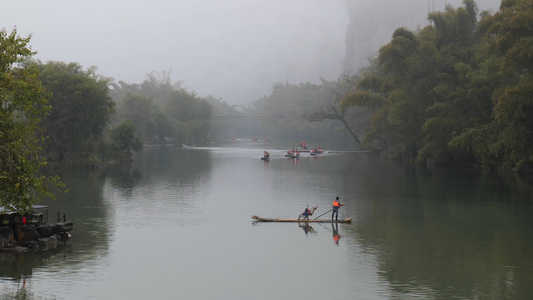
[[177, 225]]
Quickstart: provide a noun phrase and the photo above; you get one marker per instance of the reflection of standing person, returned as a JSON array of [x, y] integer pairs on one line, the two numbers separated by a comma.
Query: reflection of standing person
[[336, 235], [336, 206]]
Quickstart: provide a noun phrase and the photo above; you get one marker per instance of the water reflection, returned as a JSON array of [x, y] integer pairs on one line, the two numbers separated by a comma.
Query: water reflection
[[308, 229], [447, 235], [125, 177], [15, 266], [168, 164], [85, 206], [336, 235], [415, 234], [19, 290], [90, 204]]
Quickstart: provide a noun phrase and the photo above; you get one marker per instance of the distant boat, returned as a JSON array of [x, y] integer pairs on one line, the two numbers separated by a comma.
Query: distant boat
[[291, 154], [266, 156]]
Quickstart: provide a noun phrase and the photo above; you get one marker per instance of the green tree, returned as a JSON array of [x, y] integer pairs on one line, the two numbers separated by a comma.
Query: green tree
[[163, 127], [305, 111], [331, 111], [81, 111], [156, 86], [191, 115], [396, 89], [456, 92], [139, 110], [24, 102], [505, 143], [124, 141], [224, 119], [145, 105], [429, 86]]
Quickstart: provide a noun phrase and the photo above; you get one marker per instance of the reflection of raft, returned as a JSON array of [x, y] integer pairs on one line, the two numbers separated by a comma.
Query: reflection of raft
[[347, 220]]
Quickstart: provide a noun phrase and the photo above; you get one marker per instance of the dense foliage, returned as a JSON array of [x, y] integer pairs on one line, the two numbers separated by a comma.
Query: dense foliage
[[81, 111], [23, 103], [457, 92], [305, 111], [168, 113], [123, 142]]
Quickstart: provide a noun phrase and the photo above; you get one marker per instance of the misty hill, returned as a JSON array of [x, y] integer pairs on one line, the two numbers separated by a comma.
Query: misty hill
[[373, 22]]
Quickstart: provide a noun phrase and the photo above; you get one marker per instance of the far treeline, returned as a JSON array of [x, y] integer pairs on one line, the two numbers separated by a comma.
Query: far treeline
[[458, 92]]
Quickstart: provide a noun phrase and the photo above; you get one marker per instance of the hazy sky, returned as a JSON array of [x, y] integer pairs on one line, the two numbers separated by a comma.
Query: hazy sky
[[373, 22], [230, 49]]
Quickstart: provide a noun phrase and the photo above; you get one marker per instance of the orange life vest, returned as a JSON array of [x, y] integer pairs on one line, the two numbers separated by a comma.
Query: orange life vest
[[336, 203]]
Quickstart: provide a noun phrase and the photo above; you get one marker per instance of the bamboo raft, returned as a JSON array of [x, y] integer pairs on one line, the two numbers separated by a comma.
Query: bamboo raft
[[347, 220]]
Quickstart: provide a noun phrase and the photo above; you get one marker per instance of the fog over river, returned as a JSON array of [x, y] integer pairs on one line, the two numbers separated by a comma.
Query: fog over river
[[231, 49]]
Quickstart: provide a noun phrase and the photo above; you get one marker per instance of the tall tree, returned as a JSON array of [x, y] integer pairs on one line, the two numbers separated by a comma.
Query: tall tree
[[459, 91], [139, 110], [81, 110], [123, 142], [23, 103], [511, 37], [331, 111], [191, 115], [224, 119], [428, 87]]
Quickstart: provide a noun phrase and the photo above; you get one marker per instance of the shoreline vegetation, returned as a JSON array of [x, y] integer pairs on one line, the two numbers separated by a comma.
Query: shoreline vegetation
[[456, 93]]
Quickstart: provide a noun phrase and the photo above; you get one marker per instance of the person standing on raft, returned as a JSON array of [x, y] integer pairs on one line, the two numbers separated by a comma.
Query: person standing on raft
[[336, 206]]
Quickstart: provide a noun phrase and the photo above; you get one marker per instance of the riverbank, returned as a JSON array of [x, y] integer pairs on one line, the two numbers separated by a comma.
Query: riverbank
[[31, 232]]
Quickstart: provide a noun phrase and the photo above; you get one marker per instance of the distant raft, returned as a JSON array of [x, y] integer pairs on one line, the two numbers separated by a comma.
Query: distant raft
[[261, 219]]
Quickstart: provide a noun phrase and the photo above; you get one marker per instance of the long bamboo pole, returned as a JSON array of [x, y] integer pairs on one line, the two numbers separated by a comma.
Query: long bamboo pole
[[323, 214]]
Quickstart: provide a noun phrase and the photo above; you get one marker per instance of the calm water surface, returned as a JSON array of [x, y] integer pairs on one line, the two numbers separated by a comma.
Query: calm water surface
[[177, 225]]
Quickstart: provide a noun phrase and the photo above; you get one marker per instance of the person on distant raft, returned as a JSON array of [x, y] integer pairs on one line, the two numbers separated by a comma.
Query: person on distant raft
[[336, 206], [306, 213], [266, 154]]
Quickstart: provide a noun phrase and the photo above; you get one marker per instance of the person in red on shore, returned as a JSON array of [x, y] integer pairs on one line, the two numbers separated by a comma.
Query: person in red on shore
[[336, 206]]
